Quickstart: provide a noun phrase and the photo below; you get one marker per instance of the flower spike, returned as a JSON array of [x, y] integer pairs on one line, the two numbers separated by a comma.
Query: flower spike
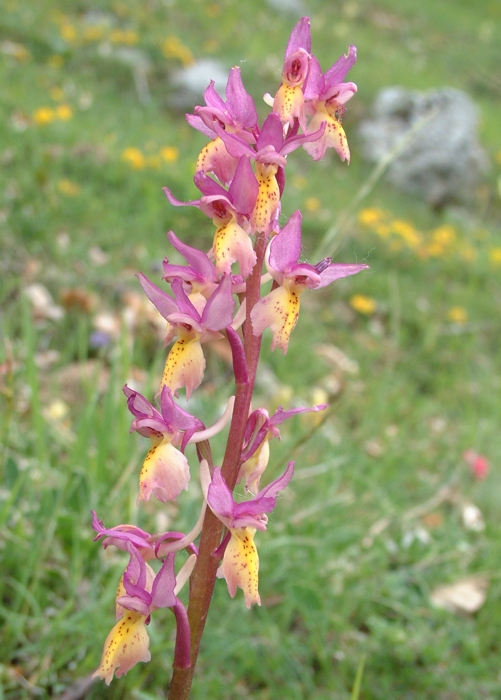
[[240, 176]]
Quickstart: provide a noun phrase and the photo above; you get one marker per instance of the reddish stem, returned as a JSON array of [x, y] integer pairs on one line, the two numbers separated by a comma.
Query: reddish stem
[[204, 574]]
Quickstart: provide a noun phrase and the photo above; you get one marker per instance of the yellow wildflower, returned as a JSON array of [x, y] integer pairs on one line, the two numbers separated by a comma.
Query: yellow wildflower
[[134, 157], [407, 231], [68, 188], [457, 314], [371, 216], [68, 33], [435, 250], [170, 154], [173, 47], [64, 112], [363, 304], [444, 235], [495, 256], [312, 204], [44, 115], [402, 228]]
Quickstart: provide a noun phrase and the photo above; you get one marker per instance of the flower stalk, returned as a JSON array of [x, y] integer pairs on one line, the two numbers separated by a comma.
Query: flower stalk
[[219, 294]]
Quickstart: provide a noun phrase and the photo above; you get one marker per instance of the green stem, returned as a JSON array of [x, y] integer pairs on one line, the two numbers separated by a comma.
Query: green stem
[[204, 574]]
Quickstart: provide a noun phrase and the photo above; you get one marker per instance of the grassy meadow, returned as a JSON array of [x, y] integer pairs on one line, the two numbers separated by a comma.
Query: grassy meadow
[[385, 522]]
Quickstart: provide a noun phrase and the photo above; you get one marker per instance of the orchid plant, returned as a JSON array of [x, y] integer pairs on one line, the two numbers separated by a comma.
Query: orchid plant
[[223, 293]]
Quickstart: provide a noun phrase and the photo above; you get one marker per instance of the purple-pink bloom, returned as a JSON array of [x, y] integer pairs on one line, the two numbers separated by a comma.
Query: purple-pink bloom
[[171, 420], [238, 115], [216, 314], [186, 363], [230, 212], [122, 535], [217, 203], [238, 112], [269, 154], [199, 276], [143, 593], [271, 146], [326, 95], [140, 593], [289, 100], [249, 513], [165, 471], [240, 565], [259, 429], [300, 37], [279, 310]]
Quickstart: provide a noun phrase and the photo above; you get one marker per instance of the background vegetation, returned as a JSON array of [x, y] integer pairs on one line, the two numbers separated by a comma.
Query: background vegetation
[[380, 512]]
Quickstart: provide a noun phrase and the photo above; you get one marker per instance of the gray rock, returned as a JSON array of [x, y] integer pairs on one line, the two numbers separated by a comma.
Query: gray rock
[[431, 141], [288, 7], [190, 83]]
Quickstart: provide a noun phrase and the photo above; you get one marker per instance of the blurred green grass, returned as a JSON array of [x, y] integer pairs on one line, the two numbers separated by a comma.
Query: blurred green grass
[[350, 558]]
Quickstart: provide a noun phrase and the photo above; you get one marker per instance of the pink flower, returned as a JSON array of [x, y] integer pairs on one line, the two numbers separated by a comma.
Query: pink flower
[[289, 100], [121, 535], [199, 276], [326, 95], [269, 154], [238, 115], [260, 428], [240, 565], [479, 464], [279, 310], [140, 593], [230, 212], [165, 471], [185, 363]]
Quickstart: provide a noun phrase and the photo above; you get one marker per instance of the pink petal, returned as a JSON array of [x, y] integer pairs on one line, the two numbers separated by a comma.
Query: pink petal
[[336, 271], [160, 299], [219, 497], [240, 103], [218, 312], [300, 37], [162, 591], [285, 248], [337, 72]]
